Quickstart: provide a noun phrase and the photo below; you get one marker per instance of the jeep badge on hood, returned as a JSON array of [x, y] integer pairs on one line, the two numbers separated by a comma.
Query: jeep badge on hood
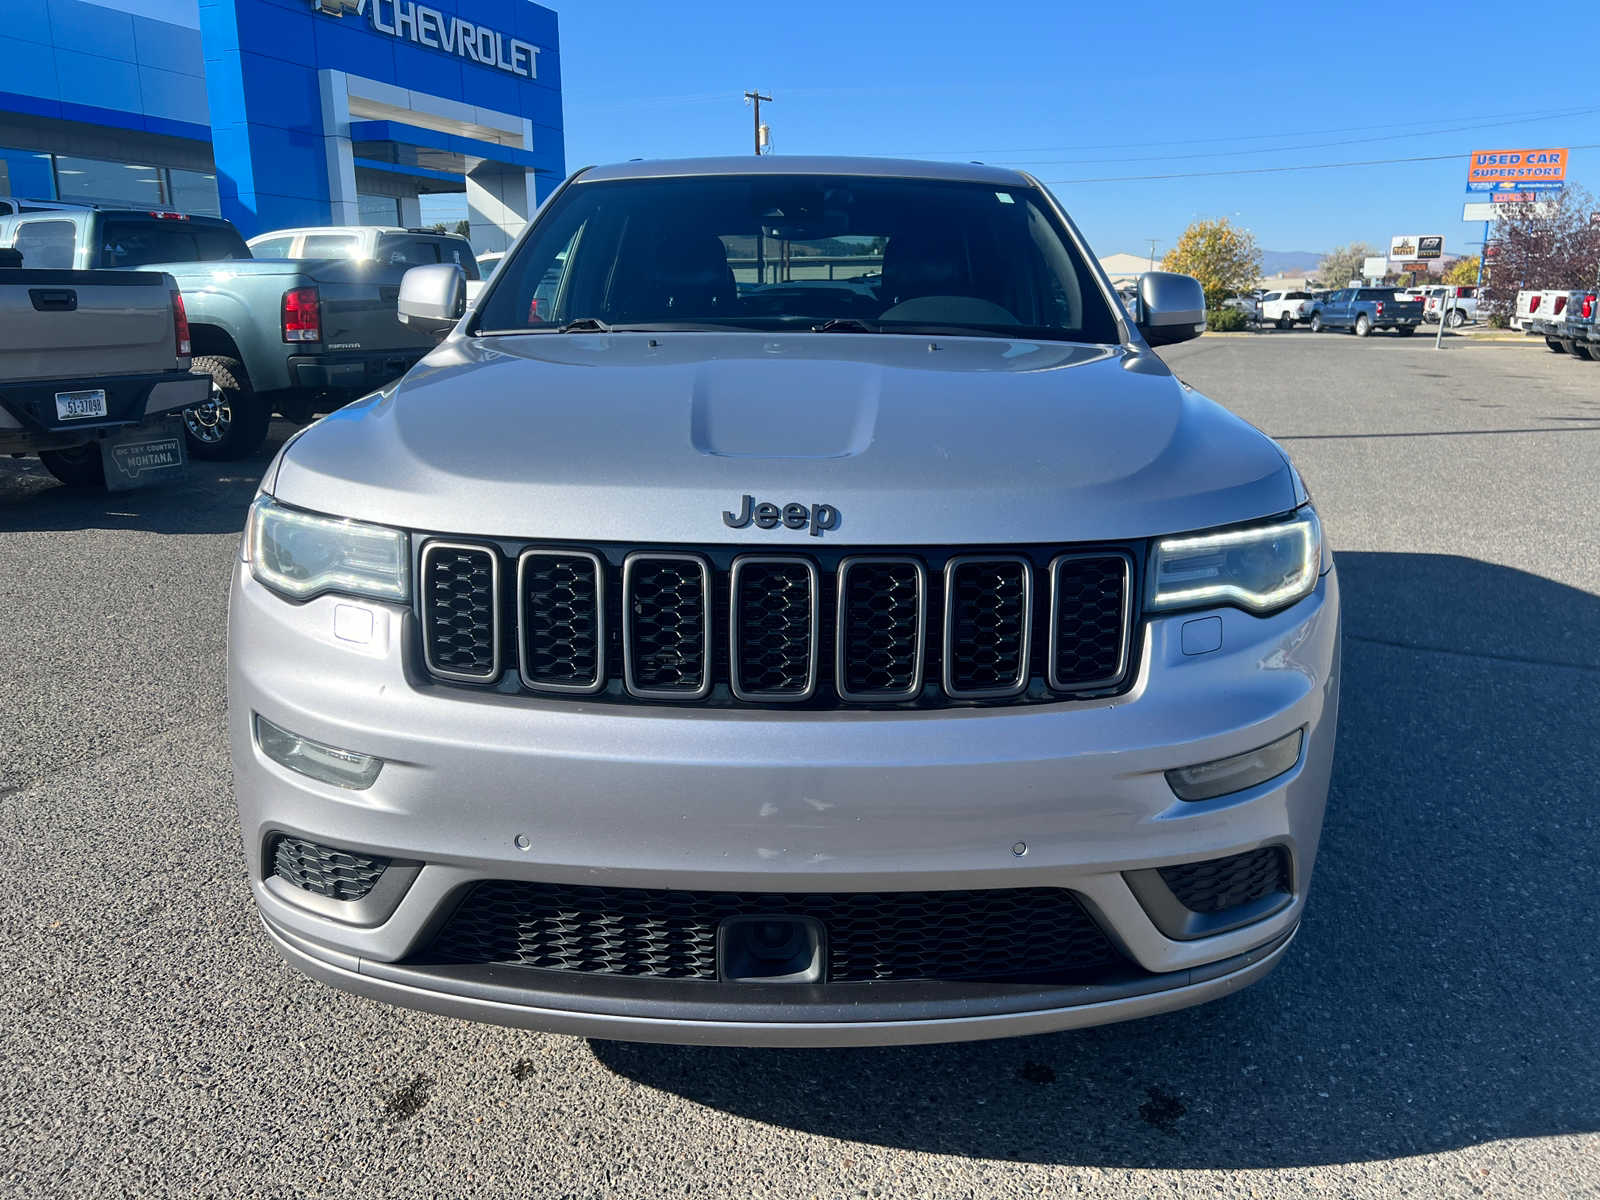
[[820, 517]]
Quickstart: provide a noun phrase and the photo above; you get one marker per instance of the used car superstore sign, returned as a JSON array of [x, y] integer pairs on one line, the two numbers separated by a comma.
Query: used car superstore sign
[[1498, 168]]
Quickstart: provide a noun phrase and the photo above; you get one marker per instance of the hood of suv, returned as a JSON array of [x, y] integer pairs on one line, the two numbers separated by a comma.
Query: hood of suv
[[909, 440]]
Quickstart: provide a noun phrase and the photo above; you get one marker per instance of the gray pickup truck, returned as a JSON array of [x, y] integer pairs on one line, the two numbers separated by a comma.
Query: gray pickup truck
[[94, 369], [294, 337], [1361, 310]]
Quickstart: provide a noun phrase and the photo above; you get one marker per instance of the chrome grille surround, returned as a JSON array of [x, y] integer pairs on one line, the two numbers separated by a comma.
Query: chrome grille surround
[[955, 570], [634, 576], [1124, 647], [429, 591], [743, 566], [919, 654], [525, 626]]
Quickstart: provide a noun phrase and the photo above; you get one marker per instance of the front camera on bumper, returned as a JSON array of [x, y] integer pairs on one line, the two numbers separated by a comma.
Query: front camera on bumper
[[1206, 781], [329, 764]]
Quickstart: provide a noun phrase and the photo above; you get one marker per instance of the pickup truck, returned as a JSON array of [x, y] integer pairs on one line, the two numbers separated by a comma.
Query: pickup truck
[[94, 369], [1286, 309], [1361, 310], [274, 335], [1556, 314], [1459, 303]]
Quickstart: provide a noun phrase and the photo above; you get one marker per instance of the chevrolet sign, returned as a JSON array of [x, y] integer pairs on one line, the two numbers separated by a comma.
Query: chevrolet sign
[[429, 27]]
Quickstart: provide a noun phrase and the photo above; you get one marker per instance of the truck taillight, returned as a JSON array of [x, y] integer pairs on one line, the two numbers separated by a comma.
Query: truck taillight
[[1380, 308], [302, 315], [1588, 307], [1561, 302], [180, 325], [1533, 303]]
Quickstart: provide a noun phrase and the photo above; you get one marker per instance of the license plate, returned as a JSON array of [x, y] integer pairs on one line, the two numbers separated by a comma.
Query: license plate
[[75, 406]]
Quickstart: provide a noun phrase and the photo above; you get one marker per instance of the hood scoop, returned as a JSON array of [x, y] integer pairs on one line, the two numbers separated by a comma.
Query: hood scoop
[[824, 410]]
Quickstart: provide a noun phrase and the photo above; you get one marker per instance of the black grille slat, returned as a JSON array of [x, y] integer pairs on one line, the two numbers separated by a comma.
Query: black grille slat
[[1089, 598], [773, 614], [325, 870], [988, 626], [561, 620], [1218, 884], [460, 617], [667, 626], [881, 620], [1000, 934]]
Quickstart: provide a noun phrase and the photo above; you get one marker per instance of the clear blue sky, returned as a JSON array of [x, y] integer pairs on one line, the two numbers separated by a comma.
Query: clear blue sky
[[1066, 90]]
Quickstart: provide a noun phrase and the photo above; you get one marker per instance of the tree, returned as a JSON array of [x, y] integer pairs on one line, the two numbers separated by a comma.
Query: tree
[[464, 228], [437, 227], [1222, 256], [1464, 271], [1550, 244], [1343, 263]]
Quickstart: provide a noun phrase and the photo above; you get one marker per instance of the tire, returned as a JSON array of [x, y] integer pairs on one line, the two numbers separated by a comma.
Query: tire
[[1555, 346], [233, 423], [1285, 322], [1578, 351], [1363, 326], [1316, 323], [1404, 330], [79, 467], [1457, 318]]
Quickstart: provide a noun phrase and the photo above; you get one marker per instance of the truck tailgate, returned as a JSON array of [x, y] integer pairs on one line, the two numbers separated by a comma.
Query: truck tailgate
[[360, 310], [82, 324]]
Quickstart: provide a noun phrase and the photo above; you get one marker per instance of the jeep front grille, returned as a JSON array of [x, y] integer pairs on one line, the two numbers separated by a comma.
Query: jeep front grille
[[907, 628]]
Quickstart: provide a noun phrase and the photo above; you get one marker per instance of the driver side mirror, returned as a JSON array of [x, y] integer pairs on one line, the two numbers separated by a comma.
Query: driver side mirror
[[1172, 308], [433, 298]]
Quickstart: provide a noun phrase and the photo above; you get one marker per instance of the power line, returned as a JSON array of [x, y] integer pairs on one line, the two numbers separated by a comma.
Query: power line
[[1369, 162], [1530, 115]]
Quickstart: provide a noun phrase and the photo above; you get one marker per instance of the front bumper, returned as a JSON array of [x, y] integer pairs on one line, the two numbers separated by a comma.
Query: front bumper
[[775, 802]]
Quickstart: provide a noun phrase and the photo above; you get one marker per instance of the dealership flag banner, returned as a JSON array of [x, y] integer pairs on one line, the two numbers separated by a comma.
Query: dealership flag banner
[[1517, 170]]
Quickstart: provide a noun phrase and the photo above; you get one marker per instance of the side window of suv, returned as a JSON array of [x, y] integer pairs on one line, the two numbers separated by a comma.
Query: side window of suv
[[408, 252], [46, 244]]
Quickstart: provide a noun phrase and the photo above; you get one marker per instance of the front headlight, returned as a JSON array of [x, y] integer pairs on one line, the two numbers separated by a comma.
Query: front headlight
[[303, 555], [1259, 567]]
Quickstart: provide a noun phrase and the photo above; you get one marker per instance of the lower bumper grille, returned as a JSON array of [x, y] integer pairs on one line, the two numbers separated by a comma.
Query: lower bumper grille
[[323, 870], [989, 935], [1219, 884]]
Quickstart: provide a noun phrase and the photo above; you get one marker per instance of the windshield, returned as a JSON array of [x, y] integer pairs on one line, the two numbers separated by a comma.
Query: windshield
[[769, 253]]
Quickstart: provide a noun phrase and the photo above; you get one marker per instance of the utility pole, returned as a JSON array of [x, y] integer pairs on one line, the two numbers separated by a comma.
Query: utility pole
[[1152, 254], [756, 98]]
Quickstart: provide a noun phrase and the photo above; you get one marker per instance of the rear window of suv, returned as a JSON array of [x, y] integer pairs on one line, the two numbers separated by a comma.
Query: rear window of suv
[[136, 241], [802, 253]]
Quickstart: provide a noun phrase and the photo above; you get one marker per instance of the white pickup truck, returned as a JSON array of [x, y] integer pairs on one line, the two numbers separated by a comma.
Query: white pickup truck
[[1286, 309], [1564, 317], [94, 370]]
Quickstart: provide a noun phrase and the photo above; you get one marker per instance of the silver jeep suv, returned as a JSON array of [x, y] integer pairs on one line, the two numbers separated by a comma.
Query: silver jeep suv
[[794, 606]]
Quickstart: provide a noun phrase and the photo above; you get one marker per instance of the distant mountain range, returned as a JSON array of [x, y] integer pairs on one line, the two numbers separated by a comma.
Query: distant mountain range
[[1290, 262]]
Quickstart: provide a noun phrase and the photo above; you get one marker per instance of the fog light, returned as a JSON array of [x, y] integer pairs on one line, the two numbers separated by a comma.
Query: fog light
[[1206, 781], [342, 768]]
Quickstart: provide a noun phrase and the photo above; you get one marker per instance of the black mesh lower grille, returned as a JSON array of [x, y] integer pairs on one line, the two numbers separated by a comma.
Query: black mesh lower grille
[[559, 595], [458, 610], [1219, 884], [665, 608], [988, 635], [772, 606], [1001, 934], [1089, 607], [313, 867]]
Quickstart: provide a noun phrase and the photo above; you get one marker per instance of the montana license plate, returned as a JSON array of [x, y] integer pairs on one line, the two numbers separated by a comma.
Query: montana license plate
[[75, 406]]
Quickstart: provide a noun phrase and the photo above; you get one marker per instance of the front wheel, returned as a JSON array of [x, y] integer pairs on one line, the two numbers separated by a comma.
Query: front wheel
[[1316, 322], [1363, 326], [232, 422], [79, 467]]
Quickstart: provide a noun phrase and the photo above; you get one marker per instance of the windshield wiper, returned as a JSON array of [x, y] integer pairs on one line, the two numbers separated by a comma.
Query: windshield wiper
[[847, 325], [584, 325]]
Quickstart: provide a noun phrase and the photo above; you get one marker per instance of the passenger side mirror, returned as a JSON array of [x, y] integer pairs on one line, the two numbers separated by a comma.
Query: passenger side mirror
[[1172, 308], [433, 298]]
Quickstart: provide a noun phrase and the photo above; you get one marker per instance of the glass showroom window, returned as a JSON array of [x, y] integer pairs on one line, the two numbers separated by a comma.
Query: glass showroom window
[[193, 192], [26, 173], [378, 210], [93, 181]]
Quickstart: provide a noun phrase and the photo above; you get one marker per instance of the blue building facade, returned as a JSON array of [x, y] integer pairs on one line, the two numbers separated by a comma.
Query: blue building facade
[[277, 113]]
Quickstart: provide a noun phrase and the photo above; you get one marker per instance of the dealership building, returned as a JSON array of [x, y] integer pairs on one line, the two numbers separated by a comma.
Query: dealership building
[[275, 113]]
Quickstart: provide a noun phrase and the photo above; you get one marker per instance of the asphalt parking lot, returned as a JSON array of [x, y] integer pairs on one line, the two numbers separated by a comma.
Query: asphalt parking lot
[[1434, 1030]]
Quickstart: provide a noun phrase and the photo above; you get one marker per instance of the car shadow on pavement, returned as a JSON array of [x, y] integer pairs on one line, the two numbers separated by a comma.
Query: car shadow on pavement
[[1444, 989], [211, 498]]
